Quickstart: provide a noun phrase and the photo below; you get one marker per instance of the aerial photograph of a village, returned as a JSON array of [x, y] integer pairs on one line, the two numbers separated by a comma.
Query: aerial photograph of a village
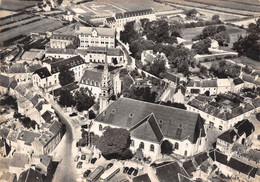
[[129, 90]]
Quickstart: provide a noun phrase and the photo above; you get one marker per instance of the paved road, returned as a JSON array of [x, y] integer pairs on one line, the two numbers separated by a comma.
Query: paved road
[[65, 171]]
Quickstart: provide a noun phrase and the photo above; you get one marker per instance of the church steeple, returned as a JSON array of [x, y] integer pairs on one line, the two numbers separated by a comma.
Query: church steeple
[[106, 87]]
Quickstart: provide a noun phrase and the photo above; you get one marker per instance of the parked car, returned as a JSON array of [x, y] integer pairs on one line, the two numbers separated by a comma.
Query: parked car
[[79, 165], [93, 160], [83, 157], [76, 158], [86, 173], [125, 170], [131, 170], [135, 172], [73, 114], [109, 165]]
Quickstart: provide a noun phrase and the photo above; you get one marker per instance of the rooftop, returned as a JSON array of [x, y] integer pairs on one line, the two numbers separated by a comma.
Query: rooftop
[[70, 87], [63, 37], [30, 175], [108, 51], [47, 116], [229, 136], [142, 178], [134, 13], [91, 75], [172, 77], [174, 123], [19, 160], [27, 136], [100, 31], [5, 81], [60, 51], [42, 72]]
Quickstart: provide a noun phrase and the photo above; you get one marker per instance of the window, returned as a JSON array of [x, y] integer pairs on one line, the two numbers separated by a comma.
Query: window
[[132, 143], [220, 128], [185, 153], [152, 147], [100, 127], [176, 146], [211, 125], [113, 111], [141, 146], [131, 115]]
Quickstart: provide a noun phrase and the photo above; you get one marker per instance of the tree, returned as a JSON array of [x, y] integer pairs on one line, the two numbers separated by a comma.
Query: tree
[[66, 76], [190, 12], [91, 114], [66, 99], [83, 99], [166, 147], [202, 47], [222, 38], [215, 17], [115, 143]]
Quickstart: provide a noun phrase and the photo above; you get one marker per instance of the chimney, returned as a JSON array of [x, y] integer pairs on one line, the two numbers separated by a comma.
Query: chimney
[[235, 138]]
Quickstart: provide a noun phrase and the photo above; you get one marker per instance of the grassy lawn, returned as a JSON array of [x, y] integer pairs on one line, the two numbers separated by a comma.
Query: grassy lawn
[[248, 62]]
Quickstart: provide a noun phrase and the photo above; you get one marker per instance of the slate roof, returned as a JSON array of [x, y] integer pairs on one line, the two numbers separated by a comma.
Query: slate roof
[[27, 136], [34, 67], [172, 77], [39, 105], [60, 51], [256, 102], [63, 37], [238, 81], [42, 72], [12, 136], [91, 75], [134, 13], [4, 132], [100, 31], [111, 20], [189, 166], [18, 68], [35, 99], [250, 79], [170, 171], [245, 126], [19, 160], [20, 89], [47, 116], [201, 157], [142, 178], [70, 63], [4, 81], [203, 83], [70, 87], [147, 129], [13, 84], [102, 50], [55, 128], [30, 175], [182, 88], [233, 163], [176, 123], [228, 136]]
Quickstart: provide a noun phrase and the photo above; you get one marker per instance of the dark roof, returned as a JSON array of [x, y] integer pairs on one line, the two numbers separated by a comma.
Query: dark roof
[[4, 132], [147, 129], [142, 178], [103, 50], [47, 116], [39, 105], [229, 136], [70, 87], [4, 81], [218, 156], [30, 175], [172, 77], [63, 37], [170, 171], [256, 102], [203, 83], [60, 51], [238, 81], [28, 136], [43, 72], [182, 88], [13, 84], [176, 123], [189, 166], [34, 67], [70, 63], [110, 20], [200, 158], [134, 13], [91, 75], [55, 128], [35, 99], [245, 126]]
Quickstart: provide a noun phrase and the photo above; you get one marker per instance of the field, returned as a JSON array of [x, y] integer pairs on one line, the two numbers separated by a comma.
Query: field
[[38, 26], [4, 13], [15, 5], [189, 33]]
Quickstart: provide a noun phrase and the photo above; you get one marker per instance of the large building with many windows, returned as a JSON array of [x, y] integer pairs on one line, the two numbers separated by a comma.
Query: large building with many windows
[[149, 124], [95, 36]]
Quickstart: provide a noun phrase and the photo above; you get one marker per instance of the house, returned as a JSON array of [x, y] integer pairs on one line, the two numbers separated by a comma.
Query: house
[[179, 94], [48, 77], [62, 41], [25, 139], [19, 163], [142, 178], [241, 133], [92, 79], [42, 162], [118, 20], [30, 175], [171, 78], [60, 52], [5, 84], [239, 84], [95, 36], [100, 55], [171, 171], [233, 168], [72, 87], [149, 124], [224, 85], [221, 115], [250, 80], [202, 87], [8, 177]]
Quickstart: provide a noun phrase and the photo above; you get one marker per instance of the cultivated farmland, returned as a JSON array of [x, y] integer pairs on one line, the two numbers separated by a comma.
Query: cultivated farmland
[[16, 5]]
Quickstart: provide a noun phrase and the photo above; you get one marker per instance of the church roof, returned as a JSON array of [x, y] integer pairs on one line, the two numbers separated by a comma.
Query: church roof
[[174, 123]]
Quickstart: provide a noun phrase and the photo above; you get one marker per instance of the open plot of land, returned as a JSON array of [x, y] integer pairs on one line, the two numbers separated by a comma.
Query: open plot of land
[[244, 23], [4, 13], [38, 26], [17, 4], [17, 23], [14, 19]]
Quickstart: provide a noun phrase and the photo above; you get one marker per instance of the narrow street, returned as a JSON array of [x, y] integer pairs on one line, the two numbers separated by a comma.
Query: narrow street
[[65, 171]]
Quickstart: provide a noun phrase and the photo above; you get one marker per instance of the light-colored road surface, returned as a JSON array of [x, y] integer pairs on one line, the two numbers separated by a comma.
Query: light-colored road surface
[[65, 171]]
